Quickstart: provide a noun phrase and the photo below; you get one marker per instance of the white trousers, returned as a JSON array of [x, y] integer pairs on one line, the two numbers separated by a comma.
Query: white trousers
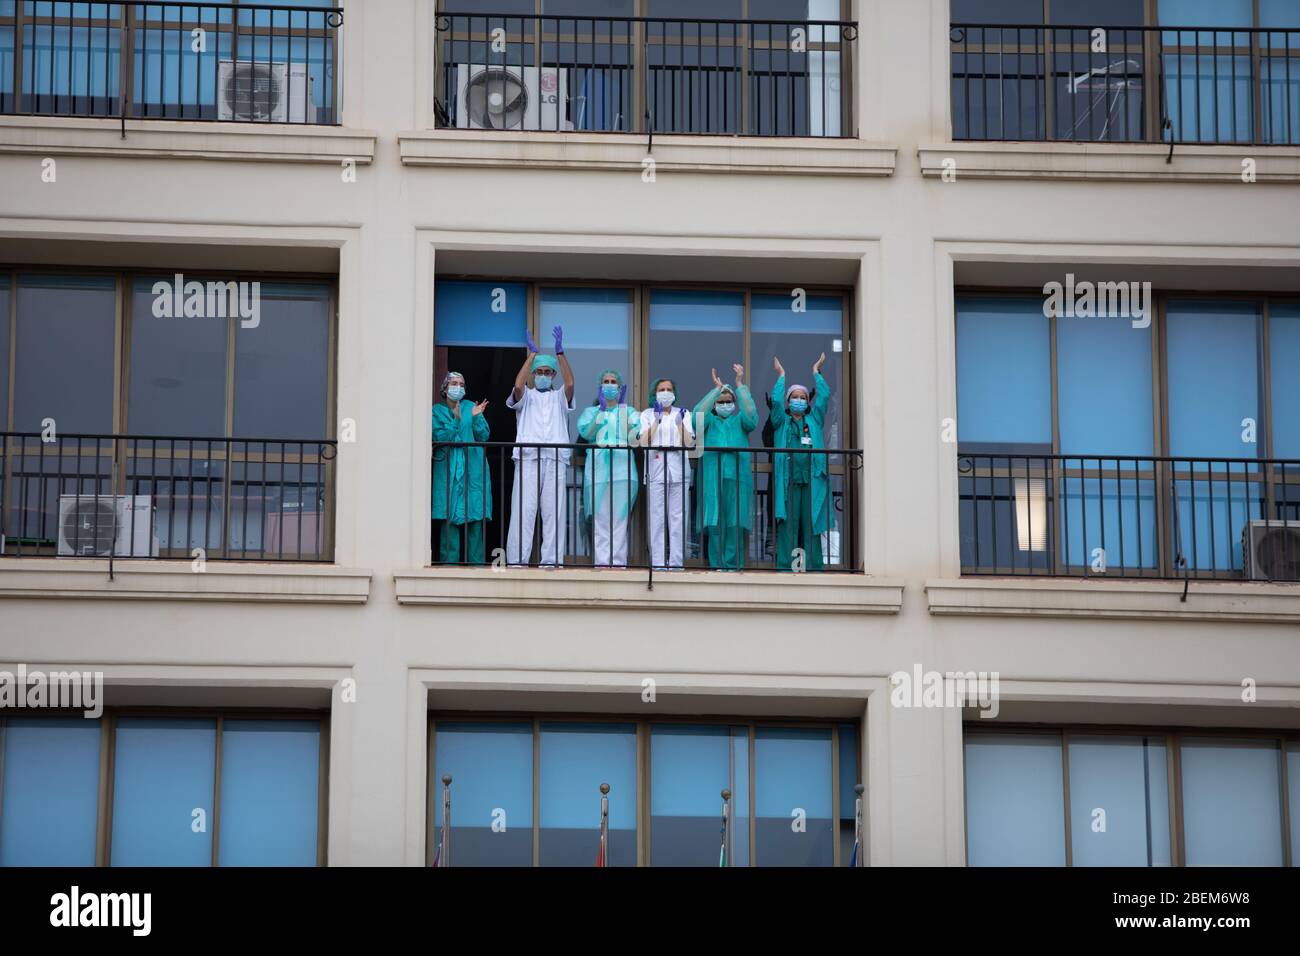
[[539, 486], [664, 510], [609, 537]]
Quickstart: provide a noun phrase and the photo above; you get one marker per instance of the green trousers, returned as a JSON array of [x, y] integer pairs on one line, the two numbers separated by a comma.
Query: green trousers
[[726, 541], [449, 543], [795, 530]]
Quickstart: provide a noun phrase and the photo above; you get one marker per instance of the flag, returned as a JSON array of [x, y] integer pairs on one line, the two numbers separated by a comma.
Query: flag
[[601, 859], [853, 860]]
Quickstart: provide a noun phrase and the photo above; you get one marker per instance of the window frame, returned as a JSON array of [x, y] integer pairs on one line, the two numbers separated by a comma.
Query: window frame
[[1173, 740], [644, 810]]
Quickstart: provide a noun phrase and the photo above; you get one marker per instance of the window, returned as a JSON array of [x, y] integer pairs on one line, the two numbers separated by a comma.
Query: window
[[665, 806], [1127, 806], [1062, 420], [160, 807]]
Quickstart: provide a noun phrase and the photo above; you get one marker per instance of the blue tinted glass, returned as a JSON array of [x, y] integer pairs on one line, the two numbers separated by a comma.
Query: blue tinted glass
[[1213, 360], [1103, 368], [270, 789], [850, 776], [822, 315], [797, 339], [1113, 509], [692, 332], [689, 768], [597, 334], [282, 364], [740, 795], [1004, 371], [4, 345], [49, 798], [491, 766], [162, 772], [1205, 13], [1015, 802], [792, 780], [1119, 802], [678, 310], [1231, 810], [1284, 347], [1209, 97], [466, 313], [1279, 13], [575, 760], [1280, 86], [1293, 785]]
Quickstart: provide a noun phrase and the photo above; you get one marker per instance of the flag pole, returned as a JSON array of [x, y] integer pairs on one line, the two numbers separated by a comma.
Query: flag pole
[[602, 858], [726, 827], [857, 826], [444, 849]]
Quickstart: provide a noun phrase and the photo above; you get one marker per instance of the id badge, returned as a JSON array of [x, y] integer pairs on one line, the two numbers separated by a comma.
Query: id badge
[[806, 440]]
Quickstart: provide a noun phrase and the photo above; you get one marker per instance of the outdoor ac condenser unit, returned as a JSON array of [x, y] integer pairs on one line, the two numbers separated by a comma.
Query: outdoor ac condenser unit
[[258, 91], [108, 525], [512, 97], [1271, 550]]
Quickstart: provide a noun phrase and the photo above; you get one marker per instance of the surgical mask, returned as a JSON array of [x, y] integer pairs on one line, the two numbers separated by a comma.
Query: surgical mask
[[455, 392], [725, 409], [798, 405], [609, 390], [543, 382], [665, 397]]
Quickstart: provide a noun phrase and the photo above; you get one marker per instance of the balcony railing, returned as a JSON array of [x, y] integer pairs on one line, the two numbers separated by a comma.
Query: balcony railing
[[645, 75], [132, 496], [743, 527], [234, 62], [1126, 84], [1132, 517]]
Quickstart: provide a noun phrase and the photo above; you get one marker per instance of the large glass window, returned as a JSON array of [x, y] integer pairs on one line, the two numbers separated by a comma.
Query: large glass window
[[1015, 803], [1119, 801], [282, 365], [690, 333], [1232, 815], [270, 792], [780, 778], [1004, 373], [49, 791], [597, 335]]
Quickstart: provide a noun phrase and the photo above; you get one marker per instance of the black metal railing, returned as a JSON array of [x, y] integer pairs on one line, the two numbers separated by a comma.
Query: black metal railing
[[645, 75], [135, 496], [638, 507], [235, 62], [1125, 83], [1130, 516]]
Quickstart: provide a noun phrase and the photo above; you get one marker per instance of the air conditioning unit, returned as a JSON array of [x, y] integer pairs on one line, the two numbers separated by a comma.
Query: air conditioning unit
[[118, 525], [259, 91], [512, 97], [1271, 550]]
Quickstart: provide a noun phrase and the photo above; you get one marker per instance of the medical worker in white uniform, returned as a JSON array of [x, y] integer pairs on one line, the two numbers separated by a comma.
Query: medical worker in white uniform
[[665, 425], [542, 407]]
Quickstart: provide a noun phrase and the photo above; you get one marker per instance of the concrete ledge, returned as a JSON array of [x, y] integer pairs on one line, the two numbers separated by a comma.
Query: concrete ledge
[[625, 151], [1128, 600], [680, 590], [181, 139], [177, 581], [1133, 162]]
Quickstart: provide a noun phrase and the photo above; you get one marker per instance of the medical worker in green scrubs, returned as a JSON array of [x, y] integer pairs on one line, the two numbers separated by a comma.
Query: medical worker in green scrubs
[[462, 487], [801, 488], [725, 417]]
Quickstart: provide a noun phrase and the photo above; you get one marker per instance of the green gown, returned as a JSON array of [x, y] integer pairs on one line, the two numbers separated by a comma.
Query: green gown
[[609, 468], [801, 487], [725, 485], [462, 484]]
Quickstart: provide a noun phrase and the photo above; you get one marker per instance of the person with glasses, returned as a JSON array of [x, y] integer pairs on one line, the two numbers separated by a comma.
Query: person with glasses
[[540, 482]]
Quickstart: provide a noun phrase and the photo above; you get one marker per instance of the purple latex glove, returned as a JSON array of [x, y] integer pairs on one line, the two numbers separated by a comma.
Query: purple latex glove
[[558, 332], [659, 410], [528, 341], [603, 406]]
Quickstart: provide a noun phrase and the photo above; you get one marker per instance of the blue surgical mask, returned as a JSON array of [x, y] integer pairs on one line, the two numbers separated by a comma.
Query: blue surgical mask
[[725, 409], [543, 382], [455, 392], [609, 390], [798, 405]]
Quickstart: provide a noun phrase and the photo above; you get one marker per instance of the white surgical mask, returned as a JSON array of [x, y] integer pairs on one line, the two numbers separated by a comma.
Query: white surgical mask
[[665, 397]]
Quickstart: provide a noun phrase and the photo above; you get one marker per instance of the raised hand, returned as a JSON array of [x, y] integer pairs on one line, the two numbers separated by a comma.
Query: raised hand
[[528, 341], [817, 366], [659, 410], [740, 372], [558, 333], [717, 382], [478, 407], [603, 406], [776, 364], [622, 393]]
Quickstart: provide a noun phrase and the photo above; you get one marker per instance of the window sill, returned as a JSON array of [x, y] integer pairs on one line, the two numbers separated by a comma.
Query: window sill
[[184, 139], [679, 590], [1125, 600], [625, 151], [1133, 162], [58, 578]]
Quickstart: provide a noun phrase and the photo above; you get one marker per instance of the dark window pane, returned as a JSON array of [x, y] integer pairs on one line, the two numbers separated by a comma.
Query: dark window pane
[[575, 760], [177, 367], [4, 352], [281, 365], [491, 766], [997, 11], [1103, 13], [690, 333], [850, 776], [1205, 13], [792, 781]]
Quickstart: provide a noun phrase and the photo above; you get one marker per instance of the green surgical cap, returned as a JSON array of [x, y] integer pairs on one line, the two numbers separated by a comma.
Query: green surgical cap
[[545, 361], [610, 371]]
